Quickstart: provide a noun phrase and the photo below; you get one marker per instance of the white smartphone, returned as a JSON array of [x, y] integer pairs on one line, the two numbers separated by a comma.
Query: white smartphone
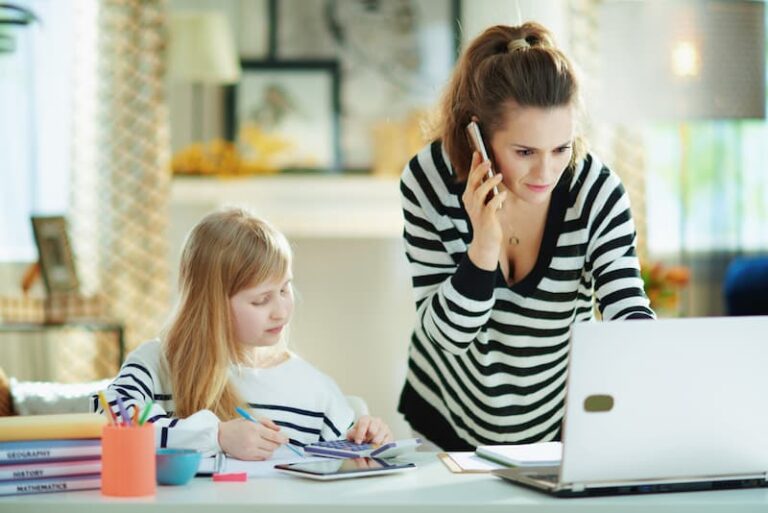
[[343, 468], [477, 144]]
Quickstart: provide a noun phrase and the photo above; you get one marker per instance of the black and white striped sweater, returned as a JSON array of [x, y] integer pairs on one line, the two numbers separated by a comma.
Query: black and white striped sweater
[[306, 404], [487, 362]]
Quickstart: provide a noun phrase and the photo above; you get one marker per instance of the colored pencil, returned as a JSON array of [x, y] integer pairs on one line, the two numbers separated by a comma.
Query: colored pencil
[[123, 413], [145, 413], [107, 409]]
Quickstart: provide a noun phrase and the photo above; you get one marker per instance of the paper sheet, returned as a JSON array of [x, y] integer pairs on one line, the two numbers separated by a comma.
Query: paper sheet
[[256, 468], [469, 462]]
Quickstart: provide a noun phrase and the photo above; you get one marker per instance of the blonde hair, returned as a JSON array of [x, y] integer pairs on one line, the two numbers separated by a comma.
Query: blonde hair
[[502, 65], [226, 252]]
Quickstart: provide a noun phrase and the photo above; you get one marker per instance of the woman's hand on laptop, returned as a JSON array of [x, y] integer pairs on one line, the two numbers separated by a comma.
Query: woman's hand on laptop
[[370, 430]]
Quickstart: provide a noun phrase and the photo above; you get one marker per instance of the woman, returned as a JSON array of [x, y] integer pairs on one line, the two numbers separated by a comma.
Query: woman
[[499, 279]]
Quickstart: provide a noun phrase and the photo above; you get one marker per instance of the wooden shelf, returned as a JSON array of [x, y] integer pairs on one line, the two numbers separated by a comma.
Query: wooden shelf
[[301, 205]]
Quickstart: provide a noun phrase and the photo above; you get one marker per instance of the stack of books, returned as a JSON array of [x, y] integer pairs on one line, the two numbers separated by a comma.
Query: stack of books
[[50, 453]]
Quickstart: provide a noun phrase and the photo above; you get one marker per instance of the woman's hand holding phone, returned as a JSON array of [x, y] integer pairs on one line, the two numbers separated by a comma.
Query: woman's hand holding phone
[[476, 142], [484, 216]]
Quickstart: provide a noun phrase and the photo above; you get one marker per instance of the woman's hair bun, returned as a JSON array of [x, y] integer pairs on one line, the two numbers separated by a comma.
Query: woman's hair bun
[[534, 35], [518, 44]]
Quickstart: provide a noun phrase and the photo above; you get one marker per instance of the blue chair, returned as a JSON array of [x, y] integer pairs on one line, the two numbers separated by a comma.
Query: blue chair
[[746, 286]]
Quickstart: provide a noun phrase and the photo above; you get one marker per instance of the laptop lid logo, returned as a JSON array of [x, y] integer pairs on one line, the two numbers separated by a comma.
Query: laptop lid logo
[[598, 403]]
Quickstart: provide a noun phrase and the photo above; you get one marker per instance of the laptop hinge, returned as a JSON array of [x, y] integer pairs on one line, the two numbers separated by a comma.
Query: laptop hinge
[[577, 487]]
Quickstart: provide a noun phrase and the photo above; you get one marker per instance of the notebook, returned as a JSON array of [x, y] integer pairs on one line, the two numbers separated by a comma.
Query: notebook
[[661, 406], [525, 455]]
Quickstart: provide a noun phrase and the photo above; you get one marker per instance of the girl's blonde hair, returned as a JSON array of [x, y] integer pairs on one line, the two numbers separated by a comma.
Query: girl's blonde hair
[[225, 253], [504, 64]]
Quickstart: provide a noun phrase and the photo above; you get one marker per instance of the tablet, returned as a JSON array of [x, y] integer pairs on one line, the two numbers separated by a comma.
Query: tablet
[[344, 469]]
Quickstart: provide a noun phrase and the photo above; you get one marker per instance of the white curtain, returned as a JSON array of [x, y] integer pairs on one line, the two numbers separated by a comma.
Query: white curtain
[[35, 93], [35, 157]]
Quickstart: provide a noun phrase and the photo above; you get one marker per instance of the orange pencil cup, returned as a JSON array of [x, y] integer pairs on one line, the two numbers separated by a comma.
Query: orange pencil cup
[[128, 460]]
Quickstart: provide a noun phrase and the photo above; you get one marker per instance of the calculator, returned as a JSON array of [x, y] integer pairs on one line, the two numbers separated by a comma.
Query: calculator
[[349, 449]]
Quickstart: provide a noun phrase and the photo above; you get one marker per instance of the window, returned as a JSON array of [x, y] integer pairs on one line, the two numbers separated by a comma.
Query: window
[[35, 125], [707, 186]]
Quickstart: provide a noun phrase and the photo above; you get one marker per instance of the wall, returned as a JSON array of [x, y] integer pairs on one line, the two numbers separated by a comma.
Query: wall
[[22, 356], [355, 310]]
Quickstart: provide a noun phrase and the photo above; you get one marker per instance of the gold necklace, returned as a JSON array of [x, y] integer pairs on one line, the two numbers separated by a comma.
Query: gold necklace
[[512, 239]]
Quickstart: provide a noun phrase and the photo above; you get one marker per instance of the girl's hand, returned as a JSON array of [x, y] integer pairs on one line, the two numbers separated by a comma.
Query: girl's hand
[[370, 430], [487, 236], [248, 440]]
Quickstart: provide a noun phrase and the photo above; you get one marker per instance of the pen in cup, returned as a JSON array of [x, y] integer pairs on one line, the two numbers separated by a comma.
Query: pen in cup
[[123, 412], [107, 409], [145, 413], [247, 416]]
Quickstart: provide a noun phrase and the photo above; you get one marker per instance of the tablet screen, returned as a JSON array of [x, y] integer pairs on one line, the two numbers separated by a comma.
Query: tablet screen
[[347, 466]]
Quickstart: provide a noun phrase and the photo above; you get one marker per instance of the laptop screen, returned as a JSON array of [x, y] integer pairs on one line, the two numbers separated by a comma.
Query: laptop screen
[[666, 399]]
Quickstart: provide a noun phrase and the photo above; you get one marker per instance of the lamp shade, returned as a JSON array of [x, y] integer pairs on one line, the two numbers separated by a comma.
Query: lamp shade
[[202, 48], [677, 60]]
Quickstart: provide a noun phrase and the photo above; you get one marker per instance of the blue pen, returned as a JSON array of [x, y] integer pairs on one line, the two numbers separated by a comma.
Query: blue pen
[[123, 411], [247, 416]]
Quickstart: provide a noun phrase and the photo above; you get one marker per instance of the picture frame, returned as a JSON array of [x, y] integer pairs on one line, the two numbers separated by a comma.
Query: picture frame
[[288, 105], [57, 262], [395, 59]]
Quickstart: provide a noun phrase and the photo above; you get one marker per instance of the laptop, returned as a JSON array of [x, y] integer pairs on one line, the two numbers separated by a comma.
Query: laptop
[[661, 406]]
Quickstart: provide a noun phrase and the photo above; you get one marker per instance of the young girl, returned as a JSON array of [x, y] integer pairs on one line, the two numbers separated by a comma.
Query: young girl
[[225, 349]]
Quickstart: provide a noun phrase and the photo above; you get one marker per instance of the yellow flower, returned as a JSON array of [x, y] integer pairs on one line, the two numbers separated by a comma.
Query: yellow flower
[[261, 153]]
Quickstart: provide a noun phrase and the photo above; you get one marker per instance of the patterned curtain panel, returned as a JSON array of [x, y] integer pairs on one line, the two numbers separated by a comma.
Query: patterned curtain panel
[[121, 174]]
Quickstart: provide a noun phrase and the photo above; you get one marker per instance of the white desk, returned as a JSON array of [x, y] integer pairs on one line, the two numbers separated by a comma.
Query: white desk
[[431, 488]]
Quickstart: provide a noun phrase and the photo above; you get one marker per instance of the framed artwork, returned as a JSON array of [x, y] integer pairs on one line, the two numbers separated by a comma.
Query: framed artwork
[[395, 57], [285, 115], [57, 263]]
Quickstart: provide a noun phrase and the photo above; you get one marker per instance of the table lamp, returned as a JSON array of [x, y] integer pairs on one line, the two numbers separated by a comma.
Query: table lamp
[[202, 51]]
